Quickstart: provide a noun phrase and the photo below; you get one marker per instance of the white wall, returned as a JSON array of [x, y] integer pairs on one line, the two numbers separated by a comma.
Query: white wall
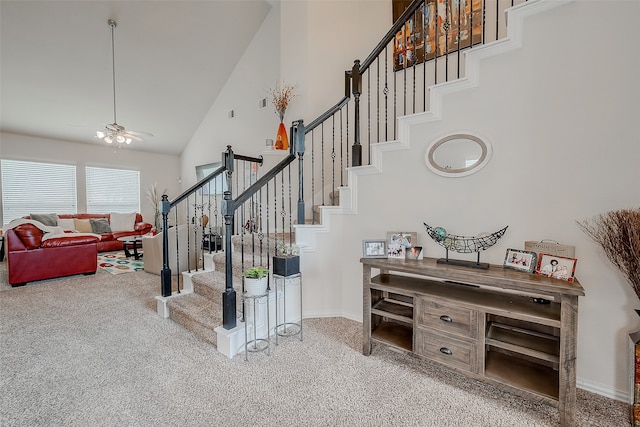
[[560, 114], [154, 168], [256, 72]]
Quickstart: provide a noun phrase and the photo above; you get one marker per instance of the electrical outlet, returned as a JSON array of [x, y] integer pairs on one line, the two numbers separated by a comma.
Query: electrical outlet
[[262, 103]]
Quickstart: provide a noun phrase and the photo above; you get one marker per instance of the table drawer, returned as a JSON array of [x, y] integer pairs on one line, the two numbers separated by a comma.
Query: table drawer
[[450, 351], [447, 318]]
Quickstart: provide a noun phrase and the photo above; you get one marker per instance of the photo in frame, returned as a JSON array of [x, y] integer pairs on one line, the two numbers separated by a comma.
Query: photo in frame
[[437, 28], [556, 266], [414, 253], [521, 260], [374, 248], [398, 241]]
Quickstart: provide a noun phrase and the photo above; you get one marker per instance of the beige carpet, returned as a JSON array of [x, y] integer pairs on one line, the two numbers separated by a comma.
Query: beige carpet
[[91, 351]]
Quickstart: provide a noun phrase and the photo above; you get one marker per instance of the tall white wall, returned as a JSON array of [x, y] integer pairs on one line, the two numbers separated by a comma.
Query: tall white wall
[[256, 72], [560, 114], [154, 168]]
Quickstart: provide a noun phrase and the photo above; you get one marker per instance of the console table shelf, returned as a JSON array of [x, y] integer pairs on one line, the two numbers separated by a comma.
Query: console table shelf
[[482, 323]]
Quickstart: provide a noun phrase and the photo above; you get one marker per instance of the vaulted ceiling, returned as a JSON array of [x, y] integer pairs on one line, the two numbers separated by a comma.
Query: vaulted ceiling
[[172, 58]]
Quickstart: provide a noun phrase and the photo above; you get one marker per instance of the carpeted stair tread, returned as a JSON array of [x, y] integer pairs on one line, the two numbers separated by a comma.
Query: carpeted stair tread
[[196, 314], [210, 284]]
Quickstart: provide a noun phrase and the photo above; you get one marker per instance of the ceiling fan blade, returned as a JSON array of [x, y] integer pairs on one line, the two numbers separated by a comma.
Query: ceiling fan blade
[[135, 132], [135, 138]]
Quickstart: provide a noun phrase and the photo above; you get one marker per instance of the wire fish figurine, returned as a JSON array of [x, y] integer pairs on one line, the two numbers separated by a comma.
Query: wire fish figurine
[[463, 244]]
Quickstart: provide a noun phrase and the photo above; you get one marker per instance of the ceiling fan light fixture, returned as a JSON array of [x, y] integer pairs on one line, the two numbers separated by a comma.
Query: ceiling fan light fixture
[[113, 131]]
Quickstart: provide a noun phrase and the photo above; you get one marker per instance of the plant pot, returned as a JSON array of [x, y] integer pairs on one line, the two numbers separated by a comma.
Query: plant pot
[[255, 286], [286, 265]]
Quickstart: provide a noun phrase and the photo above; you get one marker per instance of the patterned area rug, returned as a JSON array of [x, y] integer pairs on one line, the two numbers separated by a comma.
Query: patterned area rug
[[118, 263]]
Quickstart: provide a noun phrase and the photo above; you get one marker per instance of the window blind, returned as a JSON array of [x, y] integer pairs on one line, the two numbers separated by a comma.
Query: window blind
[[112, 190], [33, 187]]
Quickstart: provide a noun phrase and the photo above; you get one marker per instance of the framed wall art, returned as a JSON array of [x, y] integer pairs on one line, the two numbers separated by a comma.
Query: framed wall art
[[398, 241], [520, 260], [437, 28], [556, 266], [374, 248]]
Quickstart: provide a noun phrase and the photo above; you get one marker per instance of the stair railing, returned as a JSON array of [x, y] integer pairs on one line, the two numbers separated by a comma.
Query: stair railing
[[260, 216], [424, 47]]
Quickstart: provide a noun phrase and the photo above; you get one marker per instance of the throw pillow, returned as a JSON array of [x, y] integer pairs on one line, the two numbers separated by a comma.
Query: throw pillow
[[47, 219], [122, 222], [82, 225], [66, 224], [100, 226]]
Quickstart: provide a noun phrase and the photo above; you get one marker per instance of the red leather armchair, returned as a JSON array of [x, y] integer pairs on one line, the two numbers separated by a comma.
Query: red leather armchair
[[29, 258]]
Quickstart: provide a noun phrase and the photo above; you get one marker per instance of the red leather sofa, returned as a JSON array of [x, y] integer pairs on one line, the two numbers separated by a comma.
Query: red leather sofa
[[29, 258], [109, 241]]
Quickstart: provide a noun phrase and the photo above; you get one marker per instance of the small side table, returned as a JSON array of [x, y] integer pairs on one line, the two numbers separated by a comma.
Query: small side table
[[284, 328], [1, 247], [256, 344]]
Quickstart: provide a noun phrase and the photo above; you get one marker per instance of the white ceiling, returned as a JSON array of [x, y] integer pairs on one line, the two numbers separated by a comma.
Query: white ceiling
[[172, 60]]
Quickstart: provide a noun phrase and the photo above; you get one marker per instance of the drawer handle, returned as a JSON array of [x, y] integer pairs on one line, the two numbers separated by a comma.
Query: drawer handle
[[445, 350], [446, 318]]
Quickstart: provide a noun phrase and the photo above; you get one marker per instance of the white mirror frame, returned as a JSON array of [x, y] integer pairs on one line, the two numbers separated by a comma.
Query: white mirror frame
[[483, 142]]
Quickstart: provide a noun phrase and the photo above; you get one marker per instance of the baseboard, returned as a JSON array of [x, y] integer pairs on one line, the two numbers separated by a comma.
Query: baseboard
[[603, 390]]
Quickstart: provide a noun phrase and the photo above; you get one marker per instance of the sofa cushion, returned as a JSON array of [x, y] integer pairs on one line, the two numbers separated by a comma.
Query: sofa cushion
[[82, 225], [66, 224], [47, 219], [122, 222], [30, 235], [100, 226], [59, 242]]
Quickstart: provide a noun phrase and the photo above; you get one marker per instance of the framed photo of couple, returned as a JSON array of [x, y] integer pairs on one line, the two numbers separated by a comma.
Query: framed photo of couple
[[520, 260]]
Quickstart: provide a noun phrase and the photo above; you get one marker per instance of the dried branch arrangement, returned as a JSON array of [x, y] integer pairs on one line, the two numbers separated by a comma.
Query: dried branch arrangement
[[618, 233], [281, 96]]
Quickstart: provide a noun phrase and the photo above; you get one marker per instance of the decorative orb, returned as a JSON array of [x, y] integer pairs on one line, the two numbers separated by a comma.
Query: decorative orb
[[441, 233]]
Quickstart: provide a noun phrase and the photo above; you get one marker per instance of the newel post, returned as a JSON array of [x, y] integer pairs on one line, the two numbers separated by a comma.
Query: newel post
[[356, 80], [165, 274], [298, 145], [228, 210]]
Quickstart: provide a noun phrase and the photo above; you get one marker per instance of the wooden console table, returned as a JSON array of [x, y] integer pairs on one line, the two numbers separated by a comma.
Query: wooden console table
[[482, 323]]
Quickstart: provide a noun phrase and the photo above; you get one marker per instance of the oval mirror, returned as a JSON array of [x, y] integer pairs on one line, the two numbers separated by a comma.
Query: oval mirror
[[458, 155]]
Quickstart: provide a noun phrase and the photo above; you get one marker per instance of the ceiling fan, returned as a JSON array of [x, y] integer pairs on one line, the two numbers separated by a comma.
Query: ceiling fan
[[113, 132]]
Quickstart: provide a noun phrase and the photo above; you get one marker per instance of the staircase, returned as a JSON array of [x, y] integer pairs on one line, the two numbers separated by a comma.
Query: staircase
[[201, 310]]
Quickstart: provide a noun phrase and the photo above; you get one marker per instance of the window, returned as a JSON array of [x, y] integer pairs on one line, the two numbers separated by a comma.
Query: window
[[32, 187], [112, 190], [218, 185]]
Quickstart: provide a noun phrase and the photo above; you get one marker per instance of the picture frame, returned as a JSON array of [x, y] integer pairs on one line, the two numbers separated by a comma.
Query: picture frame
[[376, 248], [398, 241], [521, 260], [414, 253], [425, 35], [558, 267]]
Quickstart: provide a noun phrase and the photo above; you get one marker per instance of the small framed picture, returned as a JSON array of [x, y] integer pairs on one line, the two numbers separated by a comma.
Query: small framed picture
[[374, 248], [556, 266], [413, 253], [398, 241], [520, 260]]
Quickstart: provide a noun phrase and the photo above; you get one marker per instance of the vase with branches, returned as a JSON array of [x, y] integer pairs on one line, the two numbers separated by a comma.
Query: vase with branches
[[154, 199], [281, 96], [618, 233]]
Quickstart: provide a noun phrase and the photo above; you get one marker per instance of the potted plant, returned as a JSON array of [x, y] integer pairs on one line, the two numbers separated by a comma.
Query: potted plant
[[286, 262], [256, 280]]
